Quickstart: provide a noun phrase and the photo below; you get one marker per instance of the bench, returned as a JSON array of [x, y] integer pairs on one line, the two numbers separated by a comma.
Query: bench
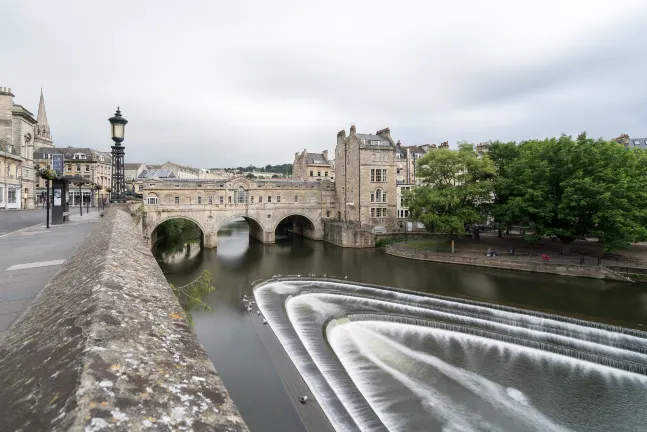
[[66, 216]]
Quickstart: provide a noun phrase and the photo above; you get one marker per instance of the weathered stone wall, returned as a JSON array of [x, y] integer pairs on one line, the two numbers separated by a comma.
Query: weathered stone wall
[[596, 272], [105, 345], [347, 236]]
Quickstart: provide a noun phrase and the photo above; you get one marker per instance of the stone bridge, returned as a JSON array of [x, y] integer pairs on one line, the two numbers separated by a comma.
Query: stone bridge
[[263, 203]]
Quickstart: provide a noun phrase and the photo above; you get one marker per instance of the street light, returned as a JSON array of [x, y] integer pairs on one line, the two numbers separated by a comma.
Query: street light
[[118, 126]]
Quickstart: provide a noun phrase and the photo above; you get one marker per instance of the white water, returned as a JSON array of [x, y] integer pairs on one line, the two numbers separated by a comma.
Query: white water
[[490, 369]]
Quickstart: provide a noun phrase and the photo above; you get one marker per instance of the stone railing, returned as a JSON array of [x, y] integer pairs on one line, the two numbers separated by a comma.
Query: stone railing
[[106, 345]]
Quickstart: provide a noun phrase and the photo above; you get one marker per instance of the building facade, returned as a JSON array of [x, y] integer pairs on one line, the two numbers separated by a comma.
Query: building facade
[[93, 165], [312, 166], [22, 135], [365, 179], [10, 166], [629, 142]]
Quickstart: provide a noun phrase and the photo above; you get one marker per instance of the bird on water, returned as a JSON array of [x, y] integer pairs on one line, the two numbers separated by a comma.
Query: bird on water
[[303, 399]]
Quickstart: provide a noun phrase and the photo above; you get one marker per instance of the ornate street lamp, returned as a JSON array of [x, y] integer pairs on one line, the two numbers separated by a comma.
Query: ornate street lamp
[[118, 187]]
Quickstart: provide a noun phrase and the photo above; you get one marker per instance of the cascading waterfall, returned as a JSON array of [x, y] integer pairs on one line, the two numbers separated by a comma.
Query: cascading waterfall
[[382, 359]]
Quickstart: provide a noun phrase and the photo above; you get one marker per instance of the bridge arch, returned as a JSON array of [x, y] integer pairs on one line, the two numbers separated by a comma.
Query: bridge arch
[[302, 224], [256, 228], [153, 228]]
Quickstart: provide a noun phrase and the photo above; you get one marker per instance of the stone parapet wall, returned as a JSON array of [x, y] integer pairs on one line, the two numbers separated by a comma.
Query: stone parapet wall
[[106, 345], [590, 271]]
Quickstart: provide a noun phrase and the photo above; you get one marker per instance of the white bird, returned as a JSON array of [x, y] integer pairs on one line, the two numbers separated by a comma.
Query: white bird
[[298, 275], [345, 277], [249, 309], [303, 399], [264, 321], [324, 275]]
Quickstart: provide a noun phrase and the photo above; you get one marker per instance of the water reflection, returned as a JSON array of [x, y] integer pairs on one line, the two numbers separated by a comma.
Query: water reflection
[[232, 341]]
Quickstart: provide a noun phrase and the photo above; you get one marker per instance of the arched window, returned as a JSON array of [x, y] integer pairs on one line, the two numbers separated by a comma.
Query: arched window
[[151, 199], [242, 195], [379, 196]]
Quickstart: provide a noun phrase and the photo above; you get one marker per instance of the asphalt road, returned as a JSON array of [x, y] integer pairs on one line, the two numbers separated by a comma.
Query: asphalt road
[[12, 220]]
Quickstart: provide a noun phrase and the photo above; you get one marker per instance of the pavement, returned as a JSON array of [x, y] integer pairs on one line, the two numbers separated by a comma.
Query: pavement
[[12, 220], [30, 256]]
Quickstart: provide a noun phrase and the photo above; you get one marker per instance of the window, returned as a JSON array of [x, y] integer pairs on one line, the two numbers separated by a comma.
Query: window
[[378, 212], [199, 200], [327, 213], [11, 198], [229, 199], [151, 184], [177, 185], [210, 200], [199, 185], [87, 168], [260, 199], [69, 167], [318, 173], [141, 187], [151, 199], [312, 173], [636, 143], [269, 199], [242, 195], [326, 174], [78, 167], [222, 199], [177, 200], [278, 198], [378, 175], [296, 198], [251, 199]]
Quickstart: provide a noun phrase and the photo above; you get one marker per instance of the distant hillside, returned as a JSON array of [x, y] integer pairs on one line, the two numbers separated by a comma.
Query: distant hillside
[[285, 169]]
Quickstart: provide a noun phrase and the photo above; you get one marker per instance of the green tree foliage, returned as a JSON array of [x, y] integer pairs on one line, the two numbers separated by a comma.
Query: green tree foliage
[[456, 190], [174, 229], [573, 188], [502, 155], [191, 295]]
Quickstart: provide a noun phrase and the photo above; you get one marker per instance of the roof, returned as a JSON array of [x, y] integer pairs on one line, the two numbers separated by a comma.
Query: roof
[[156, 173], [132, 165], [638, 142], [184, 167], [369, 137], [154, 166], [69, 152], [316, 158]]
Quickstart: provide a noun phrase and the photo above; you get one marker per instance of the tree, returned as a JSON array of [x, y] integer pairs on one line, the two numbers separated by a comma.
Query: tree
[[502, 156], [250, 176], [575, 188], [191, 295], [456, 189]]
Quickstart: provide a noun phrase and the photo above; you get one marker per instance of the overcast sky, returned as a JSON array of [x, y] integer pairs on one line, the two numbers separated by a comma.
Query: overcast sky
[[229, 83]]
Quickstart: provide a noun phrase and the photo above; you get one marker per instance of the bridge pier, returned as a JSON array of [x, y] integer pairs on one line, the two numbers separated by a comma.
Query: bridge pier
[[209, 241]]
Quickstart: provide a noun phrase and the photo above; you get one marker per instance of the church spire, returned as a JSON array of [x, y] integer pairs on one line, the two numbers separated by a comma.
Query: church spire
[[42, 128]]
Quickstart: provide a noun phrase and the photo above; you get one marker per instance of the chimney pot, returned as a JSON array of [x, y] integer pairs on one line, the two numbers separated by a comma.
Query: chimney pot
[[353, 129]]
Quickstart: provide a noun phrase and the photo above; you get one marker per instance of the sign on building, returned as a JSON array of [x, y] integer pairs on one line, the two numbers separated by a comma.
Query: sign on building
[[57, 164]]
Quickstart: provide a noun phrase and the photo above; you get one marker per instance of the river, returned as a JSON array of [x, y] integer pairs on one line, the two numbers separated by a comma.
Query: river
[[234, 340]]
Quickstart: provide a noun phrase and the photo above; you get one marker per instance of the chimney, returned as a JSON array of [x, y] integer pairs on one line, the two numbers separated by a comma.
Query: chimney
[[398, 143], [353, 129], [325, 155], [386, 133], [341, 133]]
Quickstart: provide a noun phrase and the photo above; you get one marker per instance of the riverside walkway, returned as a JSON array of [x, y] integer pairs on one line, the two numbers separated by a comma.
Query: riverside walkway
[[30, 257]]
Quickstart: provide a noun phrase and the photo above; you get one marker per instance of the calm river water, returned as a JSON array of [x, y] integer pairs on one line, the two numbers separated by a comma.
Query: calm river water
[[231, 337]]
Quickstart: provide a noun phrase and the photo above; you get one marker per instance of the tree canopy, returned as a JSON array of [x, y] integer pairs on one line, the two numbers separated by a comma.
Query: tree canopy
[[563, 187], [575, 188], [456, 190]]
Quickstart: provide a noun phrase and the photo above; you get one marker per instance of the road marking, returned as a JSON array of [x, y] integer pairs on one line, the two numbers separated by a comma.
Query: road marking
[[35, 264], [22, 229]]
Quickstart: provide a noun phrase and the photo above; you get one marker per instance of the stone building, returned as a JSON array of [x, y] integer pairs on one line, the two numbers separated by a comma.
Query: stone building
[[25, 134], [93, 165], [365, 183], [313, 166], [10, 166], [133, 170]]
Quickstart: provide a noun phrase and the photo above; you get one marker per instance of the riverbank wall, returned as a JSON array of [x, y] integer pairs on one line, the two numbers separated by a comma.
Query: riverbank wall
[[348, 235], [507, 263], [106, 345]]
